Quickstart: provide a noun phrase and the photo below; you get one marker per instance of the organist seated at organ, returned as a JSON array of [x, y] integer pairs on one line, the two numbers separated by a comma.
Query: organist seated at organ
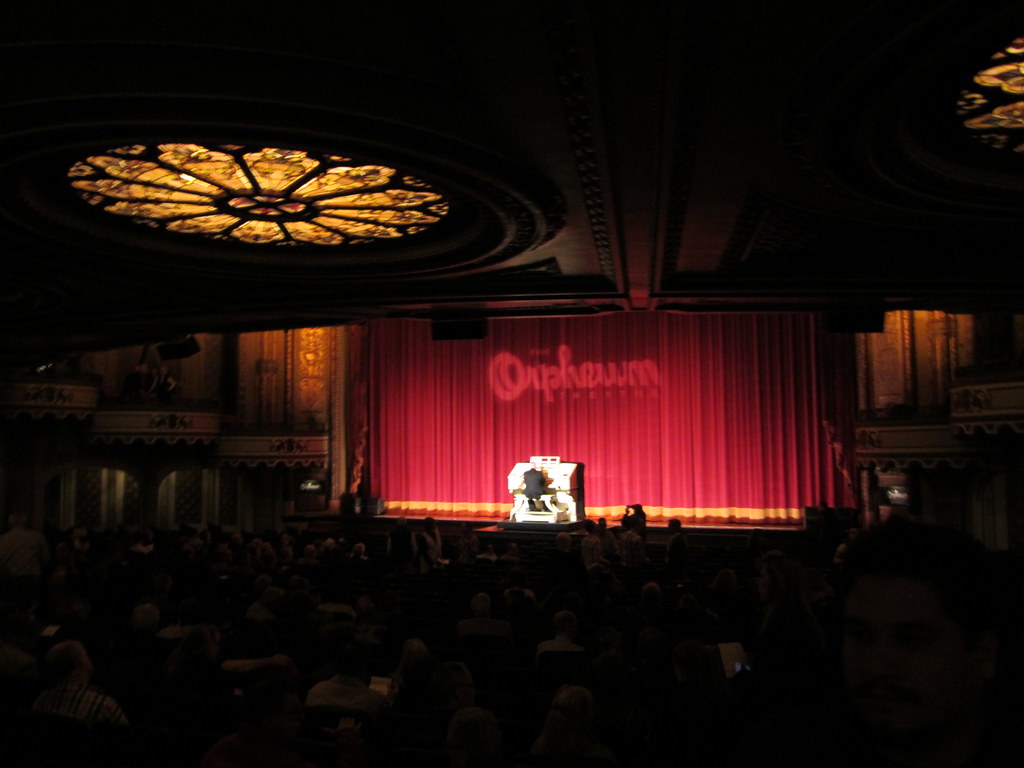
[[545, 489]]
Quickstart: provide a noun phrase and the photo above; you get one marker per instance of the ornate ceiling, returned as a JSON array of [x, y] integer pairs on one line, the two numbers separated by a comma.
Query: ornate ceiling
[[586, 157]]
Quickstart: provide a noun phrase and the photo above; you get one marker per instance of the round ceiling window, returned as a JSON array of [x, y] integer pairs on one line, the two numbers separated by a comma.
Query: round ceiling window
[[260, 196]]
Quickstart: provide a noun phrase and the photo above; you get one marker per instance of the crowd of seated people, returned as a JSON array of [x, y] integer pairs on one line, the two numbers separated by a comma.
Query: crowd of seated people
[[227, 649]]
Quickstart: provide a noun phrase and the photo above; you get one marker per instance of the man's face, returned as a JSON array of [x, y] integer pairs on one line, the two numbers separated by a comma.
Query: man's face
[[907, 668]]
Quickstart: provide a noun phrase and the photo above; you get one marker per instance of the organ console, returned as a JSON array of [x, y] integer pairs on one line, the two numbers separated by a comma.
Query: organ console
[[562, 497]]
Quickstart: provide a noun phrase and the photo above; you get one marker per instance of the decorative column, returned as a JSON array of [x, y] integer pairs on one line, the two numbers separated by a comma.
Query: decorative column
[[337, 462], [888, 363], [942, 356], [313, 361], [267, 370]]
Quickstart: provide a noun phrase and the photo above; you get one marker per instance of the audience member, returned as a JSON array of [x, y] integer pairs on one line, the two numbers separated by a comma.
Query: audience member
[[517, 578], [17, 651], [568, 731], [675, 552], [191, 613], [613, 681], [357, 562], [412, 680], [73, 694], [349, 687], [474, 739], [23, 555], [522, 612], [482, 624], [609, 544], [566, 627], [691, 619], [332, 552], [788, 652], [468, 545], [637, 520], [924, 614], [454, 687], [651, 610], [401, 546], [928, 660], [200, 690], [732, 611], [429, 546], [591, 551], [839, 553], [511, 555], [267, 737], [269, 606], [134, 673], [632, 550], [489, 556]]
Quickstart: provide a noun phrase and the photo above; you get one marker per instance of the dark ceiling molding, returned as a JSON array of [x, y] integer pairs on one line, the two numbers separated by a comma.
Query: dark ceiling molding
[[693, 86], [746, 232], [571, 79], [546, 267]]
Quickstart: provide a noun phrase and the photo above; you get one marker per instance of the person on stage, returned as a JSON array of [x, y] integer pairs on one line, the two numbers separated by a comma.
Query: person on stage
[[535, 484]]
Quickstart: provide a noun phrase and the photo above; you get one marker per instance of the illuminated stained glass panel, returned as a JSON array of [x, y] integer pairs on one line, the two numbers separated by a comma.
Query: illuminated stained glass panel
[[993, 106], [266, 196]]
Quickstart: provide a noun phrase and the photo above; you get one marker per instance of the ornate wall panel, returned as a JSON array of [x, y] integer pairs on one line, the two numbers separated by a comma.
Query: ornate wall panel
[[987, 407], [199, 375], [272, 378], [883, 445], [337, 463], [156, 425], [889, 364], [311, 377], [286, 449], [964, 340], [38, 396], [261, 372]]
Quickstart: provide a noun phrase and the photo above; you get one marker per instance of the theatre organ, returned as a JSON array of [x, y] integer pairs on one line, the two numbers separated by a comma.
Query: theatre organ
[[562, 498]]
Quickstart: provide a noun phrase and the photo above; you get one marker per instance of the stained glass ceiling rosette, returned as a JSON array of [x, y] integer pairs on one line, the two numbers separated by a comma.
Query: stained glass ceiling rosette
[[993, 107], [266, 196]]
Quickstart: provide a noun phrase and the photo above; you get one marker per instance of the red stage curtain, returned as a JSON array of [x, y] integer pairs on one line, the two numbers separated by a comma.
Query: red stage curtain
[[717, 418]]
